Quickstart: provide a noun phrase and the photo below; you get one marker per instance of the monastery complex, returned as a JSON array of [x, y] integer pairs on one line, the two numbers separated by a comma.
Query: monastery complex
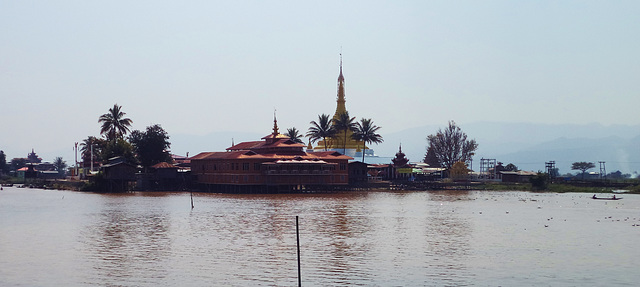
[[277, 164]]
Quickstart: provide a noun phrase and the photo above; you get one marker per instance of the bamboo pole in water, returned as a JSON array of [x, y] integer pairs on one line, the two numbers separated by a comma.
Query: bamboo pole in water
[[298, 241], [192, 200]]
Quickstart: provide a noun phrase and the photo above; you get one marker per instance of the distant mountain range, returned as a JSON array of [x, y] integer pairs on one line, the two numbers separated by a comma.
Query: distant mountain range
[[529, 145], [526, 145]]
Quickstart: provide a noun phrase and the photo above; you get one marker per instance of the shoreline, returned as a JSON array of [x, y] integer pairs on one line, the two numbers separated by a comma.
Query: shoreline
[[575, 187]]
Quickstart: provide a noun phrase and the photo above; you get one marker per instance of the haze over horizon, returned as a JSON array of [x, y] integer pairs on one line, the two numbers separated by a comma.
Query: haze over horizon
[[202, 67]]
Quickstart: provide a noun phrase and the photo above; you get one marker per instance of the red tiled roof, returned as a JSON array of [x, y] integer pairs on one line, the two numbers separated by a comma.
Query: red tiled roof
[[278, 136], [256, 145], [282, 148], [164, 165]]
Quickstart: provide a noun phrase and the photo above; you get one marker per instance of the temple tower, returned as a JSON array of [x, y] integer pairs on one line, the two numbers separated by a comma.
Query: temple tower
[[341, 107], [352, 148]]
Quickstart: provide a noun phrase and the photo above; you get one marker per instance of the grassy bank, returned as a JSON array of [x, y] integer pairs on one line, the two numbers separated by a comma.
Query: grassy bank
[[557, 188]]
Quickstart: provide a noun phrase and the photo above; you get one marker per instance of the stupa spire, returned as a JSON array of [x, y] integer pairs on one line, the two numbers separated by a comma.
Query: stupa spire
[[275, 124], [341, 107]]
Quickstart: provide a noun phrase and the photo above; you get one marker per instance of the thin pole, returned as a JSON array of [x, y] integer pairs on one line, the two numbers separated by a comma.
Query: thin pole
[[298, 241], [192, 200]]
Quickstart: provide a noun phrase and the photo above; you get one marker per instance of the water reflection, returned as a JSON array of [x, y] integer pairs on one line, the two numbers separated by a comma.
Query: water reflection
[[449, 240], [124, 240], [366, 239], [337, 243]]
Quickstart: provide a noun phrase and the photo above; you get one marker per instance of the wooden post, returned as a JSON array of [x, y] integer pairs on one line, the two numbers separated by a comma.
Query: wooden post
[[192, 200], [298, 241]]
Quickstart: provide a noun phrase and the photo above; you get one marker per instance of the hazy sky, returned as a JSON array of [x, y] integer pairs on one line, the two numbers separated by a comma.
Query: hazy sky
[[197, 67]]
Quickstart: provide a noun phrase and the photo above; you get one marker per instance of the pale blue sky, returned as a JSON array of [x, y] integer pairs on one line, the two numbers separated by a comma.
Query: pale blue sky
[[197, 67]]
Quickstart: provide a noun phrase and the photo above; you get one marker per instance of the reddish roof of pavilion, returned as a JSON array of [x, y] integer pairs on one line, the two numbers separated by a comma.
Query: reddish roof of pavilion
[[163, 165], [257, 145], [246, 154], [273, 147]]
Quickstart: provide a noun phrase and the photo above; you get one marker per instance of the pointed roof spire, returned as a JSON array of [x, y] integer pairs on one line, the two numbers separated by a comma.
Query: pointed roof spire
[[341, 100], [340, 77], [275, 124]]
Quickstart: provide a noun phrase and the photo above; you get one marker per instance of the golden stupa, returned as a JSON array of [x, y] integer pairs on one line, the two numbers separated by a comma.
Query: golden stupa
[[352, 147]]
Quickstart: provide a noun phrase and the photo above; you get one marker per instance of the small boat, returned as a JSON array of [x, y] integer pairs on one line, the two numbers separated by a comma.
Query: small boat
[[606, 198]]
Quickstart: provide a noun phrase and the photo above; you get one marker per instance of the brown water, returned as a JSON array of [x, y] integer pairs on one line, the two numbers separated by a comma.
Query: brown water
[[62, 238]]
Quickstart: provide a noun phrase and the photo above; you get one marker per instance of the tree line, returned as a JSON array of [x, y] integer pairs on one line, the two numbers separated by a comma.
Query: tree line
[[325, 127], [146, 148]]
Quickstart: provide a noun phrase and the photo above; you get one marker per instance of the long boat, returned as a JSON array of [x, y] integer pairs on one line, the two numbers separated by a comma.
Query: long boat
[[606, 198]]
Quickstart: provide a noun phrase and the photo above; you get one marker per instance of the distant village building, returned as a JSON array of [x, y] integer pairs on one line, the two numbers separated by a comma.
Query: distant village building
[[164, 176], [274, 164], [358, 173], [517, 176], [401, 165], [32, 157], [118, 174]]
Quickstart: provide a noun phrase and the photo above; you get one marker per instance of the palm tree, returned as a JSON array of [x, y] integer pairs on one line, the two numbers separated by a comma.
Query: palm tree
[[366, 132], [114, 124], [344, 123], [294, 135], [60, 165], [86, 146], [322, 129]]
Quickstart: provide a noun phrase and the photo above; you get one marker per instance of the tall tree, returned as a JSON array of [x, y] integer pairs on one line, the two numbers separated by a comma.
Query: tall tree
[[60, 165], [114, 124], [294, 135], [582, 166], [322, 129], [116, 148], [91, 145], [459, 171], [431, 159], [343, 124], [451, 146], [3, 162], [366, 132], [151, 146]]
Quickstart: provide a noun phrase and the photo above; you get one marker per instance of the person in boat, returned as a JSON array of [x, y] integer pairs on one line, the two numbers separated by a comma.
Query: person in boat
[[614, 196], [594, 196]]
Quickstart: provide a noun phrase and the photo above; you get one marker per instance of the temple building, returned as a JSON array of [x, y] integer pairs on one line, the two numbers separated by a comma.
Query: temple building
[[352, 148], [274, 164]]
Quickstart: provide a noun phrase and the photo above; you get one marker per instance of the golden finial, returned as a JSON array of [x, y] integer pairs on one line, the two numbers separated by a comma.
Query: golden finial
[[275, 123]]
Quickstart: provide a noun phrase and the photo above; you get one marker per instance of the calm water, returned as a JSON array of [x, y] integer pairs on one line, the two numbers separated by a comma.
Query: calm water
[[63, 238]]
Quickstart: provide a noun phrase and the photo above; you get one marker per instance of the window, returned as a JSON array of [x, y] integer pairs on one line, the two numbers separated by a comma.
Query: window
[[245, 166]]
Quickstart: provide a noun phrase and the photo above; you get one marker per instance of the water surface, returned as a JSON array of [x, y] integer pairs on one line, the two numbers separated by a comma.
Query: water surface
[[429, 238]]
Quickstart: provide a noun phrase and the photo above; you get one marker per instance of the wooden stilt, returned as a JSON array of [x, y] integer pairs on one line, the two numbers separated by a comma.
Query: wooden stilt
[[298, 241]]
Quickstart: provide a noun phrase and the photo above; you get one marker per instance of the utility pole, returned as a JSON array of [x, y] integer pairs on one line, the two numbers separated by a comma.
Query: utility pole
[[551, 169], [75, 148]]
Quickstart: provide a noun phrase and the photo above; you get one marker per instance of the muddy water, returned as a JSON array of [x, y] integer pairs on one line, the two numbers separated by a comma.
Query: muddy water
[[476, 238]]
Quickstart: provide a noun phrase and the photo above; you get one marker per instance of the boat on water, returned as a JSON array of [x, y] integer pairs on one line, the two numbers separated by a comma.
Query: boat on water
[[606, 198]]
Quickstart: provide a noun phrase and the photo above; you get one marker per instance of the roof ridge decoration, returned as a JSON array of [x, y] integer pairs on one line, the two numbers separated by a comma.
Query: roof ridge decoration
[[275, 124]]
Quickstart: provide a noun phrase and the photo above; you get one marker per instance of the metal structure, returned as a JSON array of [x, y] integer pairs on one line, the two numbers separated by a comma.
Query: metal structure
[[603, 170], [487, 168], [550, 167]]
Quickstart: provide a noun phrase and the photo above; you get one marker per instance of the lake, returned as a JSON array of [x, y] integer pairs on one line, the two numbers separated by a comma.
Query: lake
[[426, 238]]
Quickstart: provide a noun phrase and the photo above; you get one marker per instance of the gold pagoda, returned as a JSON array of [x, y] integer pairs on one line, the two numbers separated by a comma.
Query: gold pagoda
[[352, 147]]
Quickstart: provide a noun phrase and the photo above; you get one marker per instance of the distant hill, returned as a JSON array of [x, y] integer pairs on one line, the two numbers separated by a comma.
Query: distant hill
[[526, 145], [529, 146]]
